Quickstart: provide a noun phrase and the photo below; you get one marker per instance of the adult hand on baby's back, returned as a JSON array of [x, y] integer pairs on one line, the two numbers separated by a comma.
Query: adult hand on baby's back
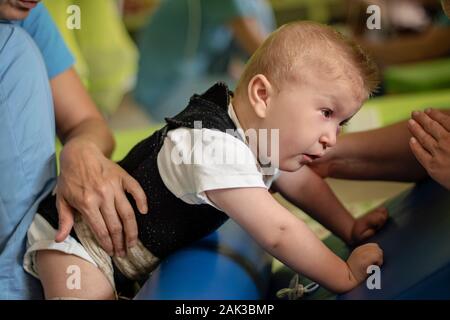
[[95, 186], [431, 143], [367, 225]]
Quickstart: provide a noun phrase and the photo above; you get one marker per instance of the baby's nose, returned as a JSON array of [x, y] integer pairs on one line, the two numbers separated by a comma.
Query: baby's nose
[[329, 140]]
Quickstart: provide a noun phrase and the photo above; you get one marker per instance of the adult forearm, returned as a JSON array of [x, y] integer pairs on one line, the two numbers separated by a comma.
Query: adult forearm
[[380, 154], [77, 117], [95, 131], [431, 44]]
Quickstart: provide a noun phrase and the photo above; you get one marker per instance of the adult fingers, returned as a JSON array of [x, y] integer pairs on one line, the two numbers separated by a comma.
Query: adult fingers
[[126, 213], [94, 218], [420, 135], [429, 125], [134, 188], [439, 116], [113, 223], [422, 155], [65, 218]]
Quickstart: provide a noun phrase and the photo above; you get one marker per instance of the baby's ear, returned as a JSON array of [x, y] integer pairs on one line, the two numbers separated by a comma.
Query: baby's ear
[[259, 94]]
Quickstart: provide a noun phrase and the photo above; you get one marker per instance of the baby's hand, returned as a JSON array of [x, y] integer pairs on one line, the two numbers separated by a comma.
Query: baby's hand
[[367, 225], [363, 257]]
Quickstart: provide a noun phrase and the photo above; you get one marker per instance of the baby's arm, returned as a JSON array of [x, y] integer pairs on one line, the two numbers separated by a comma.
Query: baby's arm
[[289, 239], [308, 191]]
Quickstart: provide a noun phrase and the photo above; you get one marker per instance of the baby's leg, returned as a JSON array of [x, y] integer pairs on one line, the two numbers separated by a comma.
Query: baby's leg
[[58, 273]]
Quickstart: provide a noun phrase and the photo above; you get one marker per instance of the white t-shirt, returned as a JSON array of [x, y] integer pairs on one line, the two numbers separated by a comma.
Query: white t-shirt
[[192, 161]]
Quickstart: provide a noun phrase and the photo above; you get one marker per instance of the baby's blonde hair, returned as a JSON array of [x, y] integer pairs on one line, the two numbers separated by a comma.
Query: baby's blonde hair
[[305, 44]]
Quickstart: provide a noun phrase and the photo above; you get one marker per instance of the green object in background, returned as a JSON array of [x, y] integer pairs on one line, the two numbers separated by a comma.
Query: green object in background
[[382, 111], [138, 12], [127, 139], [315, 10], [429, 75], [106, 57], [110, 53], [57, 9]]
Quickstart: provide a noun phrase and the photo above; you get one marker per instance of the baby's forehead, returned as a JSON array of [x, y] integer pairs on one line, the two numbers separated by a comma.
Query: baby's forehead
[[337, 83]]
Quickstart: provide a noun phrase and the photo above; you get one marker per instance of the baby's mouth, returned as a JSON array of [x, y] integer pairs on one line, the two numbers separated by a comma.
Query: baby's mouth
[[308, 158], [312, 156]]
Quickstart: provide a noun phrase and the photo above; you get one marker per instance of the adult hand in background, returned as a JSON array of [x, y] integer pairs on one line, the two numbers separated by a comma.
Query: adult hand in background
[[431, 143]]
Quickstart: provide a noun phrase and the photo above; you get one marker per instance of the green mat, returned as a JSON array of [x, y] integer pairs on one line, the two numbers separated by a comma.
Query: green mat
[[382, 111], [424, 76]]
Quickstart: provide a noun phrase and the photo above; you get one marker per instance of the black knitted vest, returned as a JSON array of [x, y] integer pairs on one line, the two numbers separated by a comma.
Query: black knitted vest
[[170, 223]]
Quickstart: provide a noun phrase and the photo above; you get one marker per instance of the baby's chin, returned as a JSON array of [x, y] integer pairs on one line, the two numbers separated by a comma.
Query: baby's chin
[[291, 165]]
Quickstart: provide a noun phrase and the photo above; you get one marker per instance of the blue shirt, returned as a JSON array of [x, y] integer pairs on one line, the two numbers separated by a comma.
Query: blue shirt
[[44, 32], [31, 52]]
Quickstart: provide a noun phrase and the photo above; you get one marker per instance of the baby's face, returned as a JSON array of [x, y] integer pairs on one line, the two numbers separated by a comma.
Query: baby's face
[[309, 117]]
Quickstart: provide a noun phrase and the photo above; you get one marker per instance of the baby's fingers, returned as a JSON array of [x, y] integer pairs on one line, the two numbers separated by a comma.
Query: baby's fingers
[[376, 254], [366, 234], [377, 218]]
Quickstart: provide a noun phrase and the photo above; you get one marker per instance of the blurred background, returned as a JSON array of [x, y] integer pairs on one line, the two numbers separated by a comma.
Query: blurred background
[[141, 60]]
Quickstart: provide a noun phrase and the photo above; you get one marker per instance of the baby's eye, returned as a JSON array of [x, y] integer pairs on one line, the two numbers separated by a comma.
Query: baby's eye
[[327, 113]]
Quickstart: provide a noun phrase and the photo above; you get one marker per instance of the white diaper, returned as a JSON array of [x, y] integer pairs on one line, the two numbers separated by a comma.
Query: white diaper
[[138, 263], [41, 236]]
